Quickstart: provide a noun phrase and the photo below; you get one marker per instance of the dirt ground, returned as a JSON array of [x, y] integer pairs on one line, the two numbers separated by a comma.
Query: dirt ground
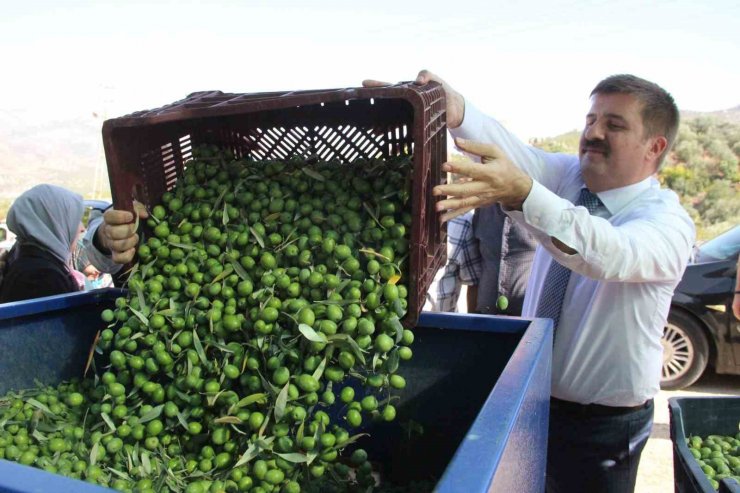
[[656, 466]]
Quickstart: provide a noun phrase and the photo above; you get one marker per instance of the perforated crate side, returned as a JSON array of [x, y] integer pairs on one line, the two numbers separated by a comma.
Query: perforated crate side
[[147, 151]]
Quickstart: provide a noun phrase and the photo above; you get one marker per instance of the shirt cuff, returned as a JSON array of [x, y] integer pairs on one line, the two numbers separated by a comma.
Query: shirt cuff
[[543, 210], [473, 122]]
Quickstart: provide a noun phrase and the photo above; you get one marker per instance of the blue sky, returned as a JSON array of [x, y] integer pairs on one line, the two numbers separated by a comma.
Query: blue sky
[[531, 64]]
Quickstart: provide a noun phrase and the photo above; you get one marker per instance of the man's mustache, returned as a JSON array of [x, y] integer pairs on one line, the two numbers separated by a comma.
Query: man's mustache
[[595, 145]]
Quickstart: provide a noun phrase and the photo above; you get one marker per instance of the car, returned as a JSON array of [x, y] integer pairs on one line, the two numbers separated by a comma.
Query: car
[[701, 330]]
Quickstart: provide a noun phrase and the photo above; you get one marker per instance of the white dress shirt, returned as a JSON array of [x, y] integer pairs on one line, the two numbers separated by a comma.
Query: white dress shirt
[[607, 349]]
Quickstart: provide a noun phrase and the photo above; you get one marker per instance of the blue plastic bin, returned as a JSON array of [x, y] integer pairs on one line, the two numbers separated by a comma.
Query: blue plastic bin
[[701, 416], [478, 387]]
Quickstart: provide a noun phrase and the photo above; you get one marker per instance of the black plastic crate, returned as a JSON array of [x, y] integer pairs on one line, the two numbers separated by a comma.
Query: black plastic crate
[[700, 416]]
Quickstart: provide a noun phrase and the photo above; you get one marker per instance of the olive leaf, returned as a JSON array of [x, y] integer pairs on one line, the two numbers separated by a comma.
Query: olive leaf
[[153, 413], [320, 369], [311, 334], [257, 237], [199, 348], [108, 421], [313, 174], [349, 341], [281, 402], [294, 457], [391, 363], [395, 324], [253, 450], [240, 270]]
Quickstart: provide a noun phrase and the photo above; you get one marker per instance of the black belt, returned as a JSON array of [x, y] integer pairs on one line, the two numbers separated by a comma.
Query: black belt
[[586, 410]]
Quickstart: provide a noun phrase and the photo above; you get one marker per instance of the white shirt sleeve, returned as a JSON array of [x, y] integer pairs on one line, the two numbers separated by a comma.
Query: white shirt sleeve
[[651, 246], [102, 262], [546, 168]]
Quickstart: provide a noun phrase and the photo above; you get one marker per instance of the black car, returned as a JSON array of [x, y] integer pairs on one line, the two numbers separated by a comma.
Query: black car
[[701, 328]]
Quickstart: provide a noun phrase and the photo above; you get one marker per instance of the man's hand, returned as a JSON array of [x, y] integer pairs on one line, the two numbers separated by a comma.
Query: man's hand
[[496, 179], [118, 233], [455, 100]]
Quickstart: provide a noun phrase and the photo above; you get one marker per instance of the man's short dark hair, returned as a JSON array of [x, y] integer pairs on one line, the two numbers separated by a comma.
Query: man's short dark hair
[[659, 112]]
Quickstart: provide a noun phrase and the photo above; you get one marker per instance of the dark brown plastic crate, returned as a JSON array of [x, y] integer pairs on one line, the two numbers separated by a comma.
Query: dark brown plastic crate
[[147, 150]]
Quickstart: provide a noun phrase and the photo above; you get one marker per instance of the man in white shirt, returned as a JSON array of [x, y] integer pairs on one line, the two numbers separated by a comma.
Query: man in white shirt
[[605, 273]]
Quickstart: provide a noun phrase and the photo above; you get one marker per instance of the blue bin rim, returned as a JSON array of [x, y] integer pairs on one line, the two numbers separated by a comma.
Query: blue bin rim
[[504, 403], [46, 304]]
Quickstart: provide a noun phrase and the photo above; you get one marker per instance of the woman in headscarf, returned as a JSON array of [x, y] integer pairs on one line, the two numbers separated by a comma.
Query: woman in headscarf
[[47, 221]]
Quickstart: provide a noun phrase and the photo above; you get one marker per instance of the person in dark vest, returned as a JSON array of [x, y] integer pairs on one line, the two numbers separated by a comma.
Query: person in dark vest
[[47, 222]]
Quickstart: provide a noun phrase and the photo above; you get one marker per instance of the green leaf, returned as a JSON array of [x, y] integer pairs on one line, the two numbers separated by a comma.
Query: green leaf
[[182, 420], [354, 438], [225, 217], [153, 413], [301, 430], [40, 406], [320, 369], [240, 270], [184, 246], [313, 174], [224, 273], [253, 451], [232, 420], [375, 218], [311, 334], [120, 474], [39, 436], [140, 316], [395, 323], [397, 308], [94, 453], [393, 359], [108, 421], [348, 340], [145, 462], [251, 399], [199, 348], [294, 457], [281, 402], [217, 203], [257, 237]]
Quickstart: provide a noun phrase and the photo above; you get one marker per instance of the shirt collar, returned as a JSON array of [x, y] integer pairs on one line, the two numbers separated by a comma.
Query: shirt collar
[[615, 199]]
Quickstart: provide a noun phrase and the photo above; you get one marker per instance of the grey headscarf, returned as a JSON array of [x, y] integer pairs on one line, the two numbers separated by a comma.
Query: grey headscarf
[[47, 217]]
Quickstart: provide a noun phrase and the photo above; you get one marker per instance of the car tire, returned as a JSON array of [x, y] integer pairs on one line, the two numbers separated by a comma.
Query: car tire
[[685, 351]]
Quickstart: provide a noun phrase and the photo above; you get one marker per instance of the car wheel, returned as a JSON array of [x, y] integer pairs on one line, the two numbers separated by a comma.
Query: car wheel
[[685, 351]]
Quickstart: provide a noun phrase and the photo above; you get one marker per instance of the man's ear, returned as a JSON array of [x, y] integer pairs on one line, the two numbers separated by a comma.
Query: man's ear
[[658, 146]]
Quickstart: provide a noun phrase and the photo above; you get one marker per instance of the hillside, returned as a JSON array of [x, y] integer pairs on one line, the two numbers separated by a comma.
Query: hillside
[[66, 153]]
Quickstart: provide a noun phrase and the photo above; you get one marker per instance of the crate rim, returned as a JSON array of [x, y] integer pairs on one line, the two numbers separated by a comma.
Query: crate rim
[[264, 101]]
